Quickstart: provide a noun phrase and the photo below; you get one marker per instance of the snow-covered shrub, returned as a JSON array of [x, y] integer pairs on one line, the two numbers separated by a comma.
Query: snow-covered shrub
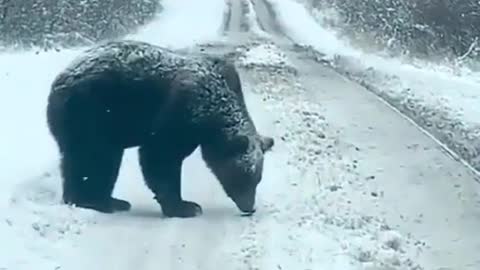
[[55, 23], [426, 28]]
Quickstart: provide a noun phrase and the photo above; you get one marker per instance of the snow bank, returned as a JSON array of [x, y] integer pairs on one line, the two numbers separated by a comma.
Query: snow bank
[[442, 99]]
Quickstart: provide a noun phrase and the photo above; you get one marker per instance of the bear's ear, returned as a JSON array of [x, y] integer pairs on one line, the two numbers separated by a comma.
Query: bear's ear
[[238, 144], [266, 143]]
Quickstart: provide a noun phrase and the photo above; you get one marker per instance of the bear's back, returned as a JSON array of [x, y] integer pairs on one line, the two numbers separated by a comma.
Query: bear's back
[[136, 60], [136, 78]]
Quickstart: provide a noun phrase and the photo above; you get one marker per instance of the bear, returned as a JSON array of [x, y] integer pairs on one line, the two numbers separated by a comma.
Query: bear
[[125, 93]]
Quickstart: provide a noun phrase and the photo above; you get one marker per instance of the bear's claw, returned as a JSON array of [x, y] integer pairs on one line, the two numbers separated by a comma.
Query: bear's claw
[[120, 205], [183, 209]]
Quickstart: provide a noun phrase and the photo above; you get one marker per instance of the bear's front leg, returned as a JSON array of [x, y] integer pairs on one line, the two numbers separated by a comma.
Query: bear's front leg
[[162, 173]]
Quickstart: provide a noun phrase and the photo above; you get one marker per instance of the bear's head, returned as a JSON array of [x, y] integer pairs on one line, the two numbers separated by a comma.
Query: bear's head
[[237, 162]]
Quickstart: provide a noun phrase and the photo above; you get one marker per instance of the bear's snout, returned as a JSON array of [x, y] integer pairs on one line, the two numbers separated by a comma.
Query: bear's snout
[[245, 202]]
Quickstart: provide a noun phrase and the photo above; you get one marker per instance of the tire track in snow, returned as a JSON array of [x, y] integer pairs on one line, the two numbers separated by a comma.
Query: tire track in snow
[[242, 25], [235, 21], [266, 18], [227, 17]]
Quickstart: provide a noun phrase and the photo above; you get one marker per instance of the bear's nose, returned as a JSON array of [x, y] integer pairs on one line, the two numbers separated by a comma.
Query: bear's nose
[[247, 214], [246, 202]]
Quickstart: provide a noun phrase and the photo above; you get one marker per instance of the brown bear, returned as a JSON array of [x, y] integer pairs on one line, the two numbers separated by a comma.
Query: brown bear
[[124, 94]]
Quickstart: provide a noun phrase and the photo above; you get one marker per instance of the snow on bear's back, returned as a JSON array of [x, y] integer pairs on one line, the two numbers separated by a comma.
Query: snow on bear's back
[[139, 60]]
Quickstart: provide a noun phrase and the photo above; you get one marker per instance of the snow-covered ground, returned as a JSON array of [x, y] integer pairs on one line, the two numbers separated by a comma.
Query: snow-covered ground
[[181, 26], [444, 100], [320, 205], [328, 195]]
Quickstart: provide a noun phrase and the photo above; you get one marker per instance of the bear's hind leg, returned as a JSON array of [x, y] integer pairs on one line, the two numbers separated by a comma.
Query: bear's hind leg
[[89, 178], [162, 173]]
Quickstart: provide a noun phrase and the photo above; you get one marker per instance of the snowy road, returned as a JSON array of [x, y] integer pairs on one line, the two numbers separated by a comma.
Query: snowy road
[[351, 184]]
